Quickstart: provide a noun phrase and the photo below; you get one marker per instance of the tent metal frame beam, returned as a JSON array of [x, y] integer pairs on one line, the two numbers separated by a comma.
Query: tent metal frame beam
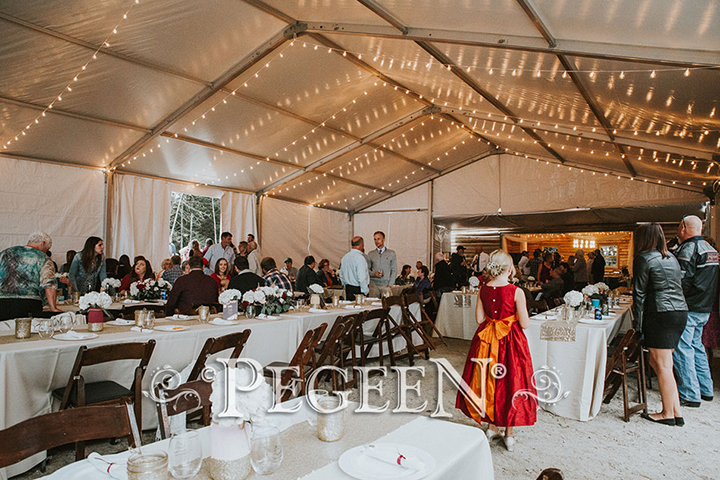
[[222, 81], [670, 57], [182, 182], [67, 113], [348, 148], [300, 202], [103, 50], [383, 13]]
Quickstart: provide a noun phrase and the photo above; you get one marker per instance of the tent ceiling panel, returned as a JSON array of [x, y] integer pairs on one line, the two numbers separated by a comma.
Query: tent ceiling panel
[[316, 189], [246, 126], [662, 100], [586, 151], [63, 139], [151, 30], [488, 16], [668, 172], [181, 160], [340, 11], [688, 24]]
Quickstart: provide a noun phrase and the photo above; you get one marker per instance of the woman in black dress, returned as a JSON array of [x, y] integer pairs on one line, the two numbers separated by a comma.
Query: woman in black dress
[[660, 311]]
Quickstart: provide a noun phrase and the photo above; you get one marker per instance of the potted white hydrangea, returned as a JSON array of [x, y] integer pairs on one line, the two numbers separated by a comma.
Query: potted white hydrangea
[[111, 285], [316, 291], [95, 305]]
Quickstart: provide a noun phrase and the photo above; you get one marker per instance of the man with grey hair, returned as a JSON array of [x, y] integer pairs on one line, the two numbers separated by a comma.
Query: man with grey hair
[[699, 267], [354, 272], [25, 273]]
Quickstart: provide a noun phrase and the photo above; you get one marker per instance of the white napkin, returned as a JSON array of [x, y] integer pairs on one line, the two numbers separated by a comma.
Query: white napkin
[[262, 316], [372, 299], [345, 302], [316, 310], [121, 322], [130, 300], [221, 322], [141, 330], [392, 456], [115, 470], [376, 304], [72, 334], [352, 307], [179, 316]]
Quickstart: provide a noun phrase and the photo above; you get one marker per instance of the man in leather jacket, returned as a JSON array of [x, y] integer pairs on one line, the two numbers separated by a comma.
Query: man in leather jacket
[[699, 266]]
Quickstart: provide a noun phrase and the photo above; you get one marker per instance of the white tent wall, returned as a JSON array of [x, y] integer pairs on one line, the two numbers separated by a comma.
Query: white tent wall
[[238, 215], [65, 202], [294, 230], [521, 185]]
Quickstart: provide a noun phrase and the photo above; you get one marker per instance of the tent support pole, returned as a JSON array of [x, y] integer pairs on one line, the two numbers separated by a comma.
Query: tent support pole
[[431, 236], [107, 211]]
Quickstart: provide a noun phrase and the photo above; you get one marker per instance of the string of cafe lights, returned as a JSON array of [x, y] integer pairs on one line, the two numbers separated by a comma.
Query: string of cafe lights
[[69, 86]]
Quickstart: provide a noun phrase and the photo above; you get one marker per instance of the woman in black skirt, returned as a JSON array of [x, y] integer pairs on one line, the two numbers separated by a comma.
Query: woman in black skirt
[[660, 311]]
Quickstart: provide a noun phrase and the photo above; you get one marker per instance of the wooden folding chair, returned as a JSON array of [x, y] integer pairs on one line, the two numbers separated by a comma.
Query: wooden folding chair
[[77, 393], [75, 425], [128, 311], [627, 358], [331, 351], [380, 333], [409, 319], [424, 321], [184, 397], [403, 328], [302, 359]]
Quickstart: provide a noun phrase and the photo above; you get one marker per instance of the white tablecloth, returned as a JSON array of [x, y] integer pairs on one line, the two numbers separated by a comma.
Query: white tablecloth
[[456, 315], [578, 366]]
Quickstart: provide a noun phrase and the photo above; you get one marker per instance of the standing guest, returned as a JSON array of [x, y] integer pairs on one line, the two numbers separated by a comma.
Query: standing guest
[[534, 263], [523, 263], [185, 267], [273, 276], [244, 278], [443, 280], [660, 312], [458, 266], [482, 261], [557, 259], [165, 265], [173, 273], [699, 266], [69, 256], [405, 278], [590, 260], [25, 273], [55, 265], [354, 272], [242, 249], [252, 243], [222, 274], [502, 315], [193, 249], [711, 330], [325, 276], [568, 277], [545, 268], [208, 243], [192, 290], [289, 270], [306, 275], [171, 247], [418, 264], [422, 285], [598, 267], [220, 250], [580, 270], [383, 266], [87, 270], [141, 271], [254, 258], [124, 266]]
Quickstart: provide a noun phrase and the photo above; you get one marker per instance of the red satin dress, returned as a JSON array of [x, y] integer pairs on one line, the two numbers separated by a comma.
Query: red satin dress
[[506, 400]]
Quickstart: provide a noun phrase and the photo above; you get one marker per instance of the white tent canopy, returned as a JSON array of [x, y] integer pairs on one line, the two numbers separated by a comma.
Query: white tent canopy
[[524, 105]]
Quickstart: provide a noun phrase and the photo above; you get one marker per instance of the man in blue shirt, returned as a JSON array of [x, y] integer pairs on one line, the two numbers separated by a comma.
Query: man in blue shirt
[[354, 273]]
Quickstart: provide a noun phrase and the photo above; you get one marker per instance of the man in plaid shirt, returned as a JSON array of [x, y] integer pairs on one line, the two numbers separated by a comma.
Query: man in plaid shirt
[[273, 276], [173, 273]]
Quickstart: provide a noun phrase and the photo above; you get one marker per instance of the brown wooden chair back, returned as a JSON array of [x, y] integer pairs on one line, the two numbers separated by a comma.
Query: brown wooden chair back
[[38, 434], [185, 397], [213, 346], [423, 325], [332, 351], [303, 359], [380, 333], [627, 358], [128, 311]]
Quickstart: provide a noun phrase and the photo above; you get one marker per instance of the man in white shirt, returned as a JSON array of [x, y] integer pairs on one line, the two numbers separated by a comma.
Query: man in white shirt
[[383, 266], [523, 263], [354, 273], [220, 250], [254, 258], [483, 259]]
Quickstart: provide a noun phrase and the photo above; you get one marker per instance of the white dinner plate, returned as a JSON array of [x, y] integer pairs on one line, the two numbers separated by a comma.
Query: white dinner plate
[[78, 337], [170, 328], [121, 323], [363, 467]]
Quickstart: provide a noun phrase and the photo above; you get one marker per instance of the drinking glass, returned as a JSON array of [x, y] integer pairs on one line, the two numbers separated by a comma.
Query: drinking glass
[[45, 328], [64, 323], [149, 320], [315, 395], [266, 452], [203, 314], [185, 454]]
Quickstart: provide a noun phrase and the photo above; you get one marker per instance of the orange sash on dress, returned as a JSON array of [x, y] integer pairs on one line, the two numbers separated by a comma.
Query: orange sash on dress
[[490, 336]]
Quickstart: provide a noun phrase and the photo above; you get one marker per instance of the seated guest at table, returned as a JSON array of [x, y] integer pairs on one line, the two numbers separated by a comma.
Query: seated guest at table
[[306, 275], [422, 285], [111, 267], [555, 287], [164, 266], [87, 270], [443, 280], [244, 278], [418, 264], [557, 260], [598, 267], [534, 263], [141, 271], [405, 278], [192, 289], [222, 274], [220, 250], [579, 269], [26, 273], [208, 243], [273, 276], [173, 273], [354, 270], [568, 277], [660, 312], [545, 268], [124, 266], [289, 270], [185, 267], [325, 276]]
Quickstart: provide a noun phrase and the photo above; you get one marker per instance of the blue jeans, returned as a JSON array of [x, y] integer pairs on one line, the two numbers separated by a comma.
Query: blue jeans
[[691, 365]]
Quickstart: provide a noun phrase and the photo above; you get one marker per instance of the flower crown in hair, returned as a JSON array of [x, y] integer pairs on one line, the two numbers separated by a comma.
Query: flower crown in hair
[[495, 269]]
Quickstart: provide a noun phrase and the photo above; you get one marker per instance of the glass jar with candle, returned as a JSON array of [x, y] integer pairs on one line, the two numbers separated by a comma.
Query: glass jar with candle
[[149, 466], [204, 313], [330, 418], [23, 327]]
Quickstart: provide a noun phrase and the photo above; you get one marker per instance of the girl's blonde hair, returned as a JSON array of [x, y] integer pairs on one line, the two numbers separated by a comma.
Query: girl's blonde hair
[[499, 263]]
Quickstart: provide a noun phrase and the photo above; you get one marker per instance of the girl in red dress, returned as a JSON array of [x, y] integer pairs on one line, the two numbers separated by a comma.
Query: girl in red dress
[[508, 396]]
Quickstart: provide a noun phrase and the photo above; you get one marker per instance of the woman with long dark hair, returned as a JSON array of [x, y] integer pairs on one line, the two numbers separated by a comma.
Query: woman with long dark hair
[[660, 312], [124, 266], [88, 270], [222, 274], [142, 270]]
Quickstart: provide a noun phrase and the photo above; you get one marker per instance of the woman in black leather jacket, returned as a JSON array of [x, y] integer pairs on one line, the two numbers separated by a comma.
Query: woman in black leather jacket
[[660, 312]]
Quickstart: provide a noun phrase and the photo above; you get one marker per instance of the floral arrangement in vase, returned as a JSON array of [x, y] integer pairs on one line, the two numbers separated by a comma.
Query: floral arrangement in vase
[[149, 289], [474, 282], [267, 300], [316, 289], [95, 305], [111, 285], [230, 295], [574, 298]]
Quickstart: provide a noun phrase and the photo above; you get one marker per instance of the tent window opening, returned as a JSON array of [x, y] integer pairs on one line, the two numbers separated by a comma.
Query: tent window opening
[[193, 217], [611, 255]]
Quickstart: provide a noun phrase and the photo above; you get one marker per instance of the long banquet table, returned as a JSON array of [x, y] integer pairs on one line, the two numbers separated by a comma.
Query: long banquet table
[[31, 368]]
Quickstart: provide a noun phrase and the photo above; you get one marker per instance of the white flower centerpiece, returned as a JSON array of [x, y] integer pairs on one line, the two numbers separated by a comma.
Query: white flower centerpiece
[[95, 305], [229, 296], [573, 298], [149, 289], [111, 285], [267, 301], [316, 291], [474, 282]]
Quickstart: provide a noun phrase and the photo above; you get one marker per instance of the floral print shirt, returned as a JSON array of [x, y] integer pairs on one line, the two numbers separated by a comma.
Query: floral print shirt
[[25, 272]]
